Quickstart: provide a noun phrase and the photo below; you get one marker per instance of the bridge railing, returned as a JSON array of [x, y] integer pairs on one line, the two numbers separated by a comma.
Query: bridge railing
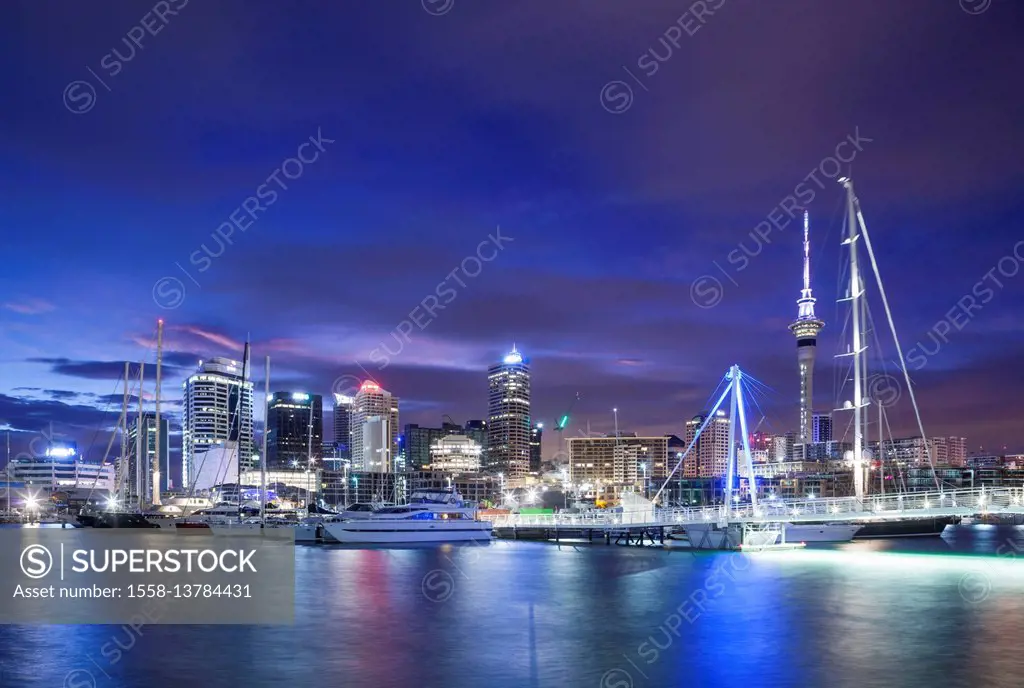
[[962, 501]]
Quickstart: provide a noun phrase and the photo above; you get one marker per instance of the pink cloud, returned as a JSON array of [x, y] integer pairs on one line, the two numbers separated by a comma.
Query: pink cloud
[[30, 306]]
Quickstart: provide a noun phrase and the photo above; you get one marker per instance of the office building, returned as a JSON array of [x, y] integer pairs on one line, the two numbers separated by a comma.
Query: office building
[[476, 430], [536, 440], [821, 428], [343, 406], [508, 418], [295, 426], [608, 463], [374, 405], [418, 440], [61, 469], [710, 455], [217, 408], [455, 454]]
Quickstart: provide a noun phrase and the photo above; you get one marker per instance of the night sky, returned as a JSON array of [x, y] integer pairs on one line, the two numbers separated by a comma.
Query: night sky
[[438, 122]]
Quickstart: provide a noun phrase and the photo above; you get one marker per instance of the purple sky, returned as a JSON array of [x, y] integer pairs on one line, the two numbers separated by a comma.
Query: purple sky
[[436, 129]]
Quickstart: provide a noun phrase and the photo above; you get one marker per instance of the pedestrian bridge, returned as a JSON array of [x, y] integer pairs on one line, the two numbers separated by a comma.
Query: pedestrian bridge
[[956, 502]]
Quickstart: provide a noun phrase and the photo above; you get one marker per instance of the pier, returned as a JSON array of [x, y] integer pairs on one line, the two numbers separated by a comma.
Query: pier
[[636, 527]]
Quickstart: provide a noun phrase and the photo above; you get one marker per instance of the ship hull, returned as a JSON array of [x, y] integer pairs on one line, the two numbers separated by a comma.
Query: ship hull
[[906, 527]]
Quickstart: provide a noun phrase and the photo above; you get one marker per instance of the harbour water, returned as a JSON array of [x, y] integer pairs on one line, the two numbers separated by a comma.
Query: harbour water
[[930, 612]]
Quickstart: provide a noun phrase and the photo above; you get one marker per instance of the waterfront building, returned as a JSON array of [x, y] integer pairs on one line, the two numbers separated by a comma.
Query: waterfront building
[[821, 428], [536, 439], [455, 454], [508, 418], [60, 469], [945, 451], [374, 404], [950, 451], [217, 408], [343, 407], [294, 419], [617, 462], [138, 476], [806, 328], [710, 455]]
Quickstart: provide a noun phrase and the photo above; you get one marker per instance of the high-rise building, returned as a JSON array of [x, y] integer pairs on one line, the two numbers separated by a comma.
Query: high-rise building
[[373, 402], [343, 406], [957, 451], [948, 451], [821, 428], [294, 420], [806, 328], [217, 408], [138, 480], [455, 454], [710, 455], [508, 418], [378, 445], [536, 438]]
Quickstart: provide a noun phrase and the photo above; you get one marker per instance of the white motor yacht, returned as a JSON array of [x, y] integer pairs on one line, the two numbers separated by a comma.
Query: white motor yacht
[[430, 516], [277, 529]]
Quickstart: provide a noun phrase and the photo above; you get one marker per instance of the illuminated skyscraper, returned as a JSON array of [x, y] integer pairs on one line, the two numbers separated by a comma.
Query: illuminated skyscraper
[[217, 408], [288, 423], [343, 425], [508, 417], [806, 328], [374, 416]]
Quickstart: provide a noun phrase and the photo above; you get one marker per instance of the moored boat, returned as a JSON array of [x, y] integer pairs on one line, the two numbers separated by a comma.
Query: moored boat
[[430, 516]]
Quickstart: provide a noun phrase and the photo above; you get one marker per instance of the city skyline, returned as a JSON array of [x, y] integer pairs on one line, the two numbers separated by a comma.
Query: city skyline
[[606, 219]]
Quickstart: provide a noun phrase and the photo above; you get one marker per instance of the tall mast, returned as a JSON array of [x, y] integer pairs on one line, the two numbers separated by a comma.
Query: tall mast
[[156, 432], [140, 482], [309, 449], [238, 444], [856, 296], [263, 457], [7, 471], [122, 465]]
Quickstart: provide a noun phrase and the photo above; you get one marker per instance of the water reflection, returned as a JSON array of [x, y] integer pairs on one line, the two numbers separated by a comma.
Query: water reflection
[[880, 613]]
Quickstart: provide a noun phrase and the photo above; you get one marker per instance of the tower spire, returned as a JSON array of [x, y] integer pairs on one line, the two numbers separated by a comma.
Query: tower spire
[[807, 254], [805, 328], [805, 304]]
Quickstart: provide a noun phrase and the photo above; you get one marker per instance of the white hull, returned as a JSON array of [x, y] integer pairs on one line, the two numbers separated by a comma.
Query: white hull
[[383, 532], [820, 532]]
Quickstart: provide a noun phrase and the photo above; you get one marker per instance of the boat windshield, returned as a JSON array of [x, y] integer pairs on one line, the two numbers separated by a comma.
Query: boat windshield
[[397, 510]]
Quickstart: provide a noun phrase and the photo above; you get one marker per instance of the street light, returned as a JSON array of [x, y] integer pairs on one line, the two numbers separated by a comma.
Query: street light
[[643, 467]]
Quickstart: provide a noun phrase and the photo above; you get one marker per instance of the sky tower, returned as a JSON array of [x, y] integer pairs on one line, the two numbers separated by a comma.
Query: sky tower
[[806, 328]]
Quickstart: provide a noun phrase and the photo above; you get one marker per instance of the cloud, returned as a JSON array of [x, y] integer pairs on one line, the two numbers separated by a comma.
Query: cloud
[[30, 306]]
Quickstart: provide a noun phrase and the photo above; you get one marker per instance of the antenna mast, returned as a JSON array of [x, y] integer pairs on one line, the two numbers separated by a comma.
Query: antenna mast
[[156, 420]]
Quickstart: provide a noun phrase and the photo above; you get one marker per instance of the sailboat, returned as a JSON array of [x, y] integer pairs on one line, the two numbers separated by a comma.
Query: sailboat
[[257, 526], [859, 457]]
